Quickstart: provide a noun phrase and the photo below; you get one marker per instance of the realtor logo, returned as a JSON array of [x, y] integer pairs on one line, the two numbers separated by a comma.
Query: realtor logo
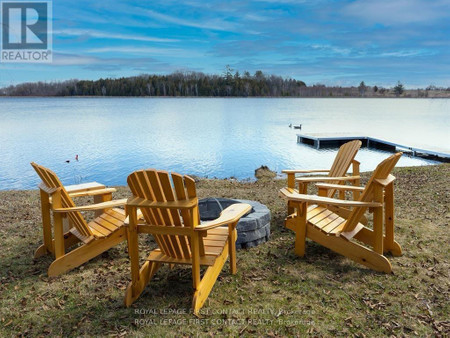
[[26, 32]]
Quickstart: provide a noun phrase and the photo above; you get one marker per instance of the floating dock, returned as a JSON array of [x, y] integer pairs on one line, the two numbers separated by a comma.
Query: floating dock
[[330, 140]]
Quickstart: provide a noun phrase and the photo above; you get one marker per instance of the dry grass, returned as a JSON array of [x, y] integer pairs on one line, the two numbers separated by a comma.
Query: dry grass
[[274, 292]]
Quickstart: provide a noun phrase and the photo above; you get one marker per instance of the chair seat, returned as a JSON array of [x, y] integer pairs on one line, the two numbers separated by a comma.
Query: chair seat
[[329, 222], [104, 225], [214, 243], [323, 219]]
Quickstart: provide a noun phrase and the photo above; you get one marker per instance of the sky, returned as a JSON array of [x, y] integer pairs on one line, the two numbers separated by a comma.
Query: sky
[[332, 42]]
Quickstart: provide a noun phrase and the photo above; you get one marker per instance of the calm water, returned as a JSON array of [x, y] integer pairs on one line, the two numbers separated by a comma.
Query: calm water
[[205, 137]]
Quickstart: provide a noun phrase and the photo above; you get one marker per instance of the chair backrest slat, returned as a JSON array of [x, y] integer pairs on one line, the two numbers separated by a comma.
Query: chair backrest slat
[[154, 185], [342, 162], [382, 171], [51, 180], [175, 214]]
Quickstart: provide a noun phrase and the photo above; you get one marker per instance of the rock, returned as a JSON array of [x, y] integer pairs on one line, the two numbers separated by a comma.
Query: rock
[[263, 172]]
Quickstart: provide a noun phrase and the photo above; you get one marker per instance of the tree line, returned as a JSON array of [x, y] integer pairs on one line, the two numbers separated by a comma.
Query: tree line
[[196, 84], [177, 84]]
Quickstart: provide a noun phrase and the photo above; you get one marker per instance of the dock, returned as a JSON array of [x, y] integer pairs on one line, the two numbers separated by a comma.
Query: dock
[[321, 140]]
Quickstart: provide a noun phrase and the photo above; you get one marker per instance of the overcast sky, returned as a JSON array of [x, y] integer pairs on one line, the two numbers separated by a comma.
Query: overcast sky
[[323, 41]]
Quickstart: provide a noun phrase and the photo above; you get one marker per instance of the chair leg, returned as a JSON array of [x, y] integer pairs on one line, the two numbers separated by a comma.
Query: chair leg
[[69, 241], [207, 282], [366, 236], [352, 250], [85, 253], [46, 226], [300, 229], [41, 251], [232, 235], [134, 290]]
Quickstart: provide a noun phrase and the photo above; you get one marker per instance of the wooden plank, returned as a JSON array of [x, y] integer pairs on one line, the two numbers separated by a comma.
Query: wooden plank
[[97, 192], [46, 221], [219, 231], [98, 206], [180, 192], [325, 221], [164, 230], [100, 199], [98, 230], [75, 188], [163, 215], [214, 243], [315, 211], [141, 185], [300, 171], [339, 187], [333, 224], [158, 191], [115, 223], [231, 214], [195, 213], [58, 227], [182, 241], [204, 288], [106, 224], [320, 216], [158, 256], [180, 204], [325, 200]]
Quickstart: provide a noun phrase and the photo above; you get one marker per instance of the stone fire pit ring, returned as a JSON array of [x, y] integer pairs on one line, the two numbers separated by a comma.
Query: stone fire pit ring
[[253, 229]]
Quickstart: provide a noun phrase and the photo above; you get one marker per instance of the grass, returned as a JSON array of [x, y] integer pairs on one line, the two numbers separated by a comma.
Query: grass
[[274, 293]]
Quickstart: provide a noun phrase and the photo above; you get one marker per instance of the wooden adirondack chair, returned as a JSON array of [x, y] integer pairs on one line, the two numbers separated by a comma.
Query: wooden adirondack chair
[[315, 220], [97, 236], [172, 216]]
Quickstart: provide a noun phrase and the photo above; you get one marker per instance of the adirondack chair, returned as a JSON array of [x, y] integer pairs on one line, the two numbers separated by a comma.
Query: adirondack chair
[[315, 220], [97, 236], [172, 216]]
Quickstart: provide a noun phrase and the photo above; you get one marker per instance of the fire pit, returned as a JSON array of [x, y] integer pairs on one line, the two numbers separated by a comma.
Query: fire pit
[[253, 229]]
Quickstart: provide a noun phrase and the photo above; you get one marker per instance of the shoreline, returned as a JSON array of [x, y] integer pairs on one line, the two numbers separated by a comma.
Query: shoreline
[[230, 97]]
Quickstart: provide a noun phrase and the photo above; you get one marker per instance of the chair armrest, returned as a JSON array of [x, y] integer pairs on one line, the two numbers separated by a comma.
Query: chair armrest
[[326, 179], [84, 187], [93, 207], [93, 192], [294, 171], [339, 187], [385, 182], [292, 196], [232, 214]]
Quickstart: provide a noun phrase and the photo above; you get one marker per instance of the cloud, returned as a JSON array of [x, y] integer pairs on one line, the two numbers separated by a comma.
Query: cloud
[[107, 35], [177, 52], [116, 64], [212, 24], [63, 59], [407, 53], [397, 12]]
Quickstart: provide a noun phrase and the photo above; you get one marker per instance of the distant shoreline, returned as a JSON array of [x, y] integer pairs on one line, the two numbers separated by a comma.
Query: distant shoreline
[[228, 84], [223, 97]]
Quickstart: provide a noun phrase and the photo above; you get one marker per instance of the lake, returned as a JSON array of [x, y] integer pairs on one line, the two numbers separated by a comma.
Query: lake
[[213, 137]]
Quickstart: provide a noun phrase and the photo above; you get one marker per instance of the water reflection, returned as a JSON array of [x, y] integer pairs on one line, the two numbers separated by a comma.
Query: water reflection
[[205, 137]]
